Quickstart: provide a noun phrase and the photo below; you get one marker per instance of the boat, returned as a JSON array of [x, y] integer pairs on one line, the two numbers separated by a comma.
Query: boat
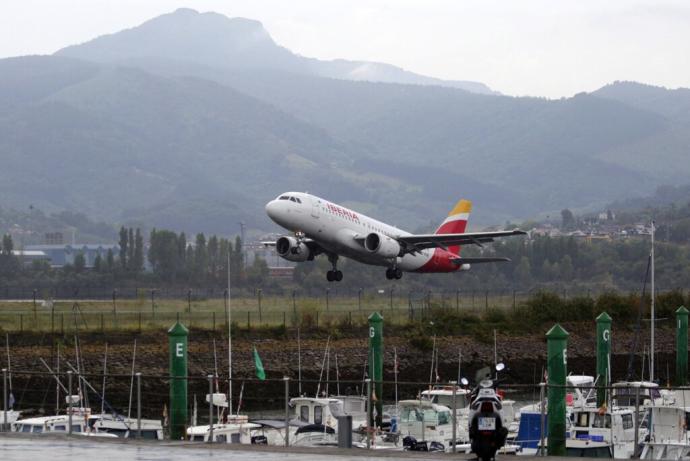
[[669, 438]]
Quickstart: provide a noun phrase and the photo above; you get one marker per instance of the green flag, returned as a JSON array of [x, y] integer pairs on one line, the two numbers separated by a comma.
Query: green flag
[[260, 373]]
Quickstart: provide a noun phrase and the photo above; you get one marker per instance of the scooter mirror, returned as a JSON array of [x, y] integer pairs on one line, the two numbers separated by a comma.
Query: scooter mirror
[[500, 366], [464, 381]]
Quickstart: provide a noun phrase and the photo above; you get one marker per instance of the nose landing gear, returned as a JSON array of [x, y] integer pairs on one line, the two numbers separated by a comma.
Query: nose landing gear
[[393, 273], [334, 275]]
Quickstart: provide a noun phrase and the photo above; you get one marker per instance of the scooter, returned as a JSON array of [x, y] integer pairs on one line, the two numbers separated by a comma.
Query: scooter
[[487, 430]]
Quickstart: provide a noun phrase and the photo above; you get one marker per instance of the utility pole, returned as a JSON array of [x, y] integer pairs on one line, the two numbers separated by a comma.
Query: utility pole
[[651, 363]]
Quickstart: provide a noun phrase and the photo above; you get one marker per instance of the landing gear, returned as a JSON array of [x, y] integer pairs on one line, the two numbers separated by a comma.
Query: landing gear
[[393, 273], [334, 275]]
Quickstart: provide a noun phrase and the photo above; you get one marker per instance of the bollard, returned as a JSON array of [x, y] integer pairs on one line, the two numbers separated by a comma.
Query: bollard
[[455, 409], [557, 360], [4, 399], [376, 363], [369, 412], [681, 346], [210, 408], [287, 410], [138, 405], [603, 352], [177, 343], [69, 404]]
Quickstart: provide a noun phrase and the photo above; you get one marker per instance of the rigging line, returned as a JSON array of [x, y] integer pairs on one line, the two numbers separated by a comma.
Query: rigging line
[[636, 336]]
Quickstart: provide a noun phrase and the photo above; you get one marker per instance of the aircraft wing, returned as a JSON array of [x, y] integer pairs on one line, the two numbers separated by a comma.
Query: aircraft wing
[[417, 242]]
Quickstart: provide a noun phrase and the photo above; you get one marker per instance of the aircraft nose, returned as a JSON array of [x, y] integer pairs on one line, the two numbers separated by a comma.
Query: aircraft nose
[[272, 209]]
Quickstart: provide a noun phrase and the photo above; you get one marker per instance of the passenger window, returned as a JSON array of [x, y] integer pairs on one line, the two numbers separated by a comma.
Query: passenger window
[[292, 199], [304, 413], [284, 197], [318, 415], [298, 200], [627, 421]]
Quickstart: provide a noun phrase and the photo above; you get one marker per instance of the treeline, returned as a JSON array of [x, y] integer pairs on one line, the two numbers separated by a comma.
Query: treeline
[[203, 263], [169, 258]]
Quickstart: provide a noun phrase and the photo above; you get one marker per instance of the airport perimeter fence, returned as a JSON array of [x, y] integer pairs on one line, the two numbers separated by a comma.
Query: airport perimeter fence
[[336, 307]]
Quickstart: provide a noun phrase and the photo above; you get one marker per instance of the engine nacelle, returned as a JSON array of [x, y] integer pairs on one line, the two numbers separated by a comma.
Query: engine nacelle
[[464, 267], [381, 245], [292, 250]]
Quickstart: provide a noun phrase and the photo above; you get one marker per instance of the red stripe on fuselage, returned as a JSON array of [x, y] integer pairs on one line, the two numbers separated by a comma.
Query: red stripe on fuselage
[[440, 262]]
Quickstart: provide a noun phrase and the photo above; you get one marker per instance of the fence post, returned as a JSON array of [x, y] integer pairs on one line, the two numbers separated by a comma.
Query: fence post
[[139, 322], [542, 418], [21, 323], [69, 399], [35, 312], [214, 320], [287, 410], [4, 399], [455, 409], [369, 412], [62, 324], [317, 319], [486, 300], [328, 291], [359, 299], [102, 323], [294, 305], [210, 408], [249, 322], [258, 295], [637, 420], [138, 405], [189, 300], [457, 308]]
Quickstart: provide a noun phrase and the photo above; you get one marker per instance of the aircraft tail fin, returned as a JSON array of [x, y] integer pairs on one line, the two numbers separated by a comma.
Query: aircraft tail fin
[[456, 222]]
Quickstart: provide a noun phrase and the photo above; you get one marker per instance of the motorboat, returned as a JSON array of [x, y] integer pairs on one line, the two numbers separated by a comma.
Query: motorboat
[[669, 438]]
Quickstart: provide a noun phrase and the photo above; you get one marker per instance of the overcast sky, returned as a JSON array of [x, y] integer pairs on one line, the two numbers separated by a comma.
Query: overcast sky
[[547, 48]]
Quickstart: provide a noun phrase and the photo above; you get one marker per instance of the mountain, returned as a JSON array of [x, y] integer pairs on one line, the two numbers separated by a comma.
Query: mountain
[[215, 40], [194, 121]]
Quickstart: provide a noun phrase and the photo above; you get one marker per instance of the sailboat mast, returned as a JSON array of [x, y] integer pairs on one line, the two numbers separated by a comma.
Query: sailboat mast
[[651, 347], [229, 315]]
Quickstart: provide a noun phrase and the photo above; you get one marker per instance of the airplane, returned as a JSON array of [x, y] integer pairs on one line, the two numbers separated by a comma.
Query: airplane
[[323, 227]]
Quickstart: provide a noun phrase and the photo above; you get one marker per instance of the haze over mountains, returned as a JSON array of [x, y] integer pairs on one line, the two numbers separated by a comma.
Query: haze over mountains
[[193, 121]]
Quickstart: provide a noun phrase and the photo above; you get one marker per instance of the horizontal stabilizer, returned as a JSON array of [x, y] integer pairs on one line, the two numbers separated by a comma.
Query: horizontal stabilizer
[[478, 260]]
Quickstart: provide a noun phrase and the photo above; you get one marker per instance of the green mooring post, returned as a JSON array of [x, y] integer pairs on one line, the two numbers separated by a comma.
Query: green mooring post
[[376, 364], [681, 346], [557, 361], [177, 341], [603, 353]]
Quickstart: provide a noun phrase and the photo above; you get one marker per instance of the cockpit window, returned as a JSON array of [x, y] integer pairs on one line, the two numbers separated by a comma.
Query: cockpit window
[[283, 197], [298, 200], [292, 199]]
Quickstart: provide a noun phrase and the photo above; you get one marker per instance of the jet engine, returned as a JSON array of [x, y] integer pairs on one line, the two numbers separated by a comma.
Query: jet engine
[[292, 250], [382, 245]]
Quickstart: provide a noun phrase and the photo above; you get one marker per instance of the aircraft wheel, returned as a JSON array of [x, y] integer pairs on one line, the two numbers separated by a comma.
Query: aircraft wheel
[[389, 274], [330, 276], [397, 273], [338, 276]]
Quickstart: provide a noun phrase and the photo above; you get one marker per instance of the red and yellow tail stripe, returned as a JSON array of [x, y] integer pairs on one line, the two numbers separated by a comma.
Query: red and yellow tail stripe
[[456, 222]]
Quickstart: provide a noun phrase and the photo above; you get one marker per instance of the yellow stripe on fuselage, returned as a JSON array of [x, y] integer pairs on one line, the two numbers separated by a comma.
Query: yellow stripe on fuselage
[[463, 206]]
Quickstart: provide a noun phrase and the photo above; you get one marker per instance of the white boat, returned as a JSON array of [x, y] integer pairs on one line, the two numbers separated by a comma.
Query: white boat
[[614, 427], [425, 421], [236, 429], [56, 423], [151, 429], [669, 438]]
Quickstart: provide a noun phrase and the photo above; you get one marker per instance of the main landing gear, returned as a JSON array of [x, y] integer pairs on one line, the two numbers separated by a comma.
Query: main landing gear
[[393, 273], [334, 275]]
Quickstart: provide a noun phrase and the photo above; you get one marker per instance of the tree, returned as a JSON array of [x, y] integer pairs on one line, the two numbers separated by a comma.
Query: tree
[[567, 270], [110, 260], [523, 273], [200, 259], [130, 249], [568, 220], [98, 263], [138, 255], [124, 240], [79, 263], [7, 245]]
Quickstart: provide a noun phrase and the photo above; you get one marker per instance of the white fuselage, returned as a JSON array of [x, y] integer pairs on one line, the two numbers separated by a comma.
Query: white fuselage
[[340, 230]]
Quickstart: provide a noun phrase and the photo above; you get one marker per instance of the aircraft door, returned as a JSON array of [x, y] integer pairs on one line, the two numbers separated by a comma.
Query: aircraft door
[[315, 204]]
